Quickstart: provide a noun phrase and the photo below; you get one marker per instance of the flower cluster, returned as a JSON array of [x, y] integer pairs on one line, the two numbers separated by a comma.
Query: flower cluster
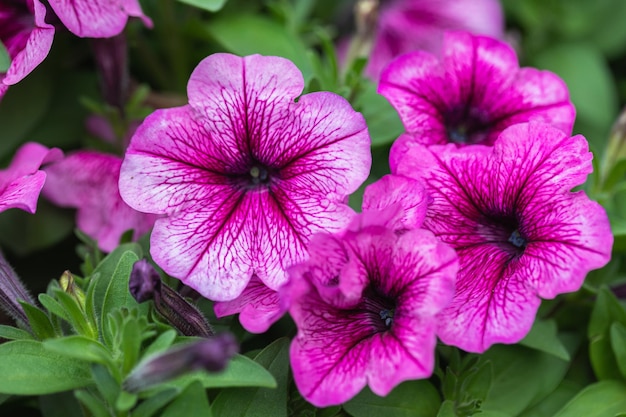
[[245, 192]]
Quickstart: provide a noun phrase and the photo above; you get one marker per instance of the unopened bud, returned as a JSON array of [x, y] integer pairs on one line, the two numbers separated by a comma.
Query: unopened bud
[[68, 284], [11, 292], [211, 354], [145, 284]]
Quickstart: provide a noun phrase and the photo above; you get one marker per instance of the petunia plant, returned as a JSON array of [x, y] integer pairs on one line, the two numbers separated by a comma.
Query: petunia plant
[[283, 208]]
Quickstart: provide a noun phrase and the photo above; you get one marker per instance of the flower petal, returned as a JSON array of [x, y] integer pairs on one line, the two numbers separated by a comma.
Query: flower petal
[[258, 306], [97, 18], [87, 180], [22, 181]]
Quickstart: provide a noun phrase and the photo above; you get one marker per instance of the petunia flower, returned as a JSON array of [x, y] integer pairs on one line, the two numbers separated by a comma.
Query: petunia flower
[[26, 36], [473, 92], [244, 174], [366, 305], [97, 18], [520, 233], [395, 201], [410, 25], [88, 181], [21, 182]]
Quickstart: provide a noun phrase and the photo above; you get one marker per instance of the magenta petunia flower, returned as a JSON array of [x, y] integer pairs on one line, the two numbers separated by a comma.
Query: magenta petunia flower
[[26, 36], [87, 180], [366, 305], [472, 93], [410, 25], [21, 182], [97, 18], [394, 201], [520, 233], [244, 173]]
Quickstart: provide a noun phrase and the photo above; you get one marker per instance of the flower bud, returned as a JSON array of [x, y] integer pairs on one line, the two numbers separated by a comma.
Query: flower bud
[[145, 284], [11, 292], [211, 354]]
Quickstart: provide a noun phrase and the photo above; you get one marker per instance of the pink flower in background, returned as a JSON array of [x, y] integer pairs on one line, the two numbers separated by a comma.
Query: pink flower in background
[[520, 233], [410, 25], [472, 93], [97, 18], [87, 181], [21, 182], [366, 305], [395, 201], [244, 174], [26, 36]]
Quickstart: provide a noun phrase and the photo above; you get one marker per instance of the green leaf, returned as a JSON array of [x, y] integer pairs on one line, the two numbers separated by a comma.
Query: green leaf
[[589, 79], [409, 399], [53, 306], [246, 34], [105, 271], [477, 384], [383, 122], [153, 404], [543, 336], [606, 310], [106, 384], [447, 409], [192, 402], [13, 333], [549, 406], [94, 404], [81, 348], [161, 343], [259, 401], [602, 399], [602, 359], [39, 321], [521, 377], [241, 372], [618, 343], [210, 5], [5, 59], [62, 404], [27, 368]]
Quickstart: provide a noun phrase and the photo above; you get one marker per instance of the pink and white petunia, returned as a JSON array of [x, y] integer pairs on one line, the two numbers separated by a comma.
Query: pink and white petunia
[[87, 181], [395, 201], [366, 305], [520, 233], [26, 36], [21, 182], [473, 92], [244, 174], [410, 25], [97, 18]]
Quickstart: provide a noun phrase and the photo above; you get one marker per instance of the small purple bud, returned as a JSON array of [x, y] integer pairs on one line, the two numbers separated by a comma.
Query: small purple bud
[[144, 280], [145, 284], [11, 292], [211, 354]]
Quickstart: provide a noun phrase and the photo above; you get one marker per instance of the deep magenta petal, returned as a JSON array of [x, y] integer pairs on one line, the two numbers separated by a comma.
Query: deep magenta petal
[[379, 328], [244, 174], [258, 307], [21, 182], [395, 201], [520, 233], [33, 44], [87, 181], [472, 93], [97, 18], [410, 25]]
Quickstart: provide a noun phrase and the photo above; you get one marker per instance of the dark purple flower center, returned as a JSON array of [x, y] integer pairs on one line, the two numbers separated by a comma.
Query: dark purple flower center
[[505, 232], [466, 125], [254, 177], [379, 308]]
